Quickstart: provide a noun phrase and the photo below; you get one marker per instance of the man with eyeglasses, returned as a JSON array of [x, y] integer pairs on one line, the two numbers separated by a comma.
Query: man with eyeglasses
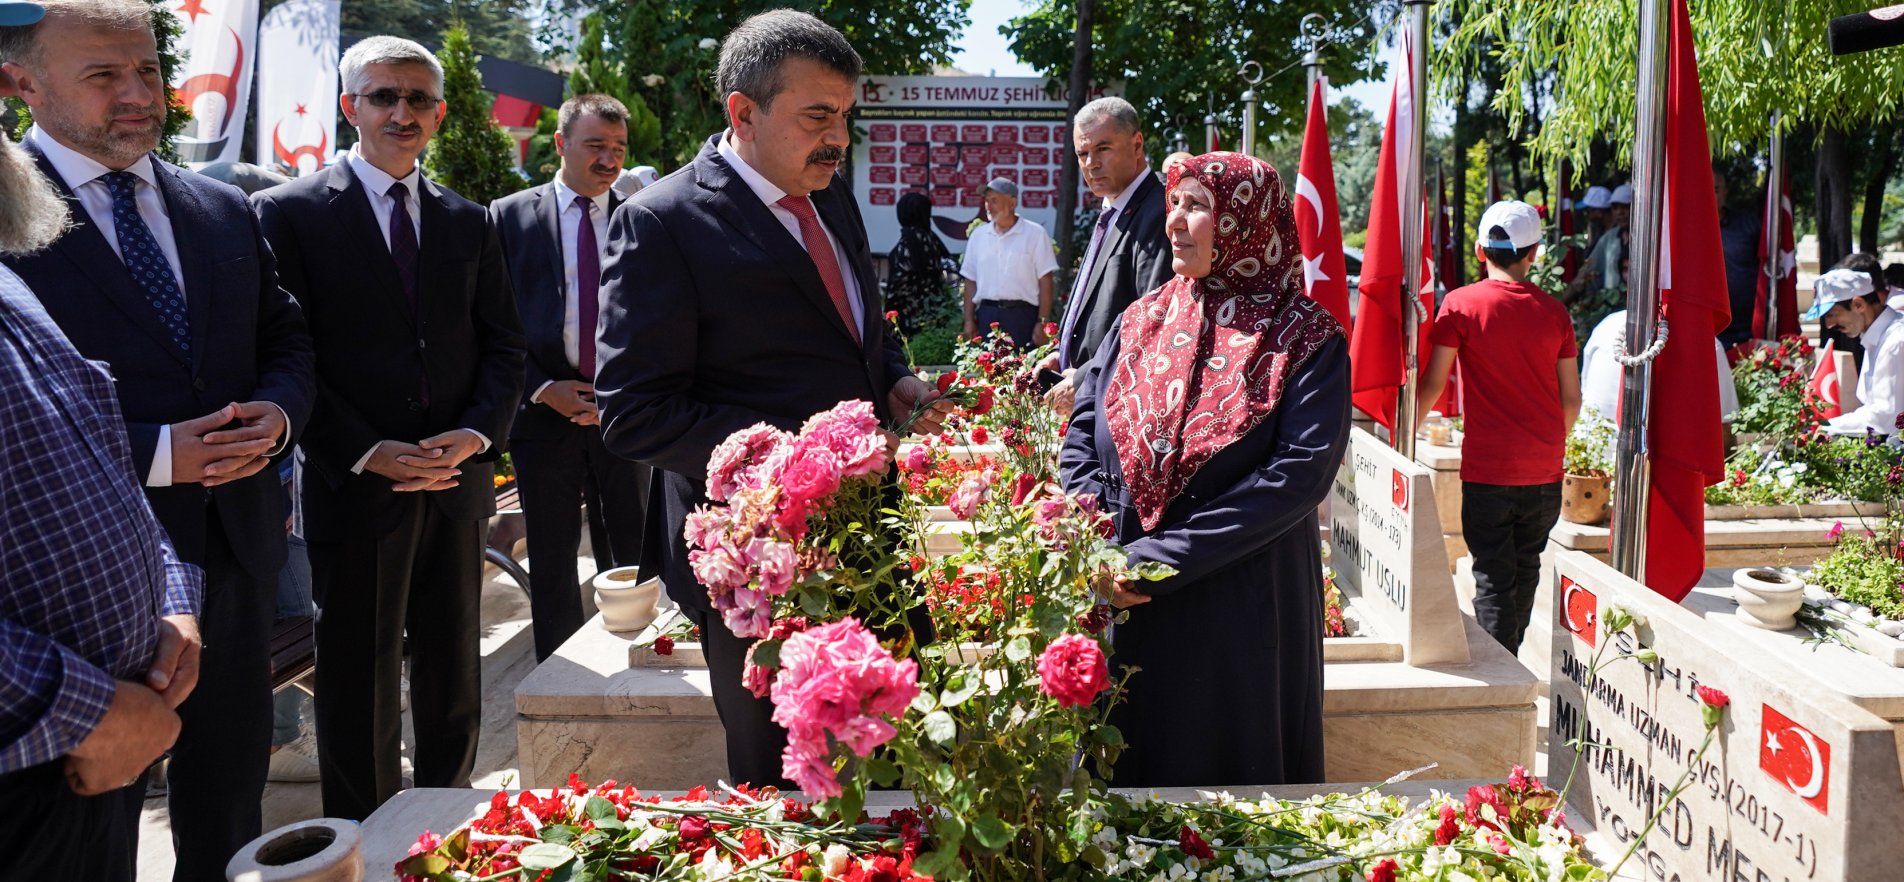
[[553, 240], [420, 356], [166, 278]]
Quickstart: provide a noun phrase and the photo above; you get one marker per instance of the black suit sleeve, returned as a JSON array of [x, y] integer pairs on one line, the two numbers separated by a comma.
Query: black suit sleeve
[[145, 443], [287, 369], [337, 435], [499, 355], [649, 347], [1152, 262], [507, 229]]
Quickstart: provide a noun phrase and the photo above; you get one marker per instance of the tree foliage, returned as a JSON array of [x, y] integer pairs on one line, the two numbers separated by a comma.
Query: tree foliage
[[470, 153], [166, 30], [1177, 60], [1755, 56], [497, 27], [594, 72], [668, 49]]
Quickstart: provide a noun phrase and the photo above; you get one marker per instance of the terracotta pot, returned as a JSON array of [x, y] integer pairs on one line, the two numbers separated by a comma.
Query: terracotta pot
[[318, 850], [626, 601], [1767, 598], [1586, 499]]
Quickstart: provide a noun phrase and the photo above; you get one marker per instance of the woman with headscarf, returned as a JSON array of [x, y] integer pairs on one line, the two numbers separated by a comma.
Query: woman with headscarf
[[1210, 427], [915, 280]]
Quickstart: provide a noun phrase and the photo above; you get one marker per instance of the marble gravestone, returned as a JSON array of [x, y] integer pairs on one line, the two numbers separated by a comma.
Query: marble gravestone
[[1385, 544], [1798, 782]]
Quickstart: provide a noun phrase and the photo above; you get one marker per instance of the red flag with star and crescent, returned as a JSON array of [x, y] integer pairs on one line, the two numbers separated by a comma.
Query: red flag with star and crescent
[[1787, 281], [1325, 277], [1795, 757]]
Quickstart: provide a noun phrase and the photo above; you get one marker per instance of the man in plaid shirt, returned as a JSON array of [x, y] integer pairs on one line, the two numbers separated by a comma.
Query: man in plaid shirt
[[98, 616]]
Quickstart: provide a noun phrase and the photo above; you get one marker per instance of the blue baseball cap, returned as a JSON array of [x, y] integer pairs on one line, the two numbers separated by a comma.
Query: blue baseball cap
[[16, 14]]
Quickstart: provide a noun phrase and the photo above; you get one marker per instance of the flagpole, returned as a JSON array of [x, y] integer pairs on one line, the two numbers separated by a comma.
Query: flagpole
[[1249, 104], [1632, 469], [1412, 199], [1312, 29], [1774, 215]]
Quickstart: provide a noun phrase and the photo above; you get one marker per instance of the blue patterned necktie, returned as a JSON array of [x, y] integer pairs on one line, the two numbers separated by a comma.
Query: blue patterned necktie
[[150, 270]]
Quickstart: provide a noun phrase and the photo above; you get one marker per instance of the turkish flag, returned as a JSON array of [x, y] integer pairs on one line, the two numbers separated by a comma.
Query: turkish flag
[[1581, 611], [1787, 280], [1376, 349], [1824, 381], [1318, 221], [1796, 758]]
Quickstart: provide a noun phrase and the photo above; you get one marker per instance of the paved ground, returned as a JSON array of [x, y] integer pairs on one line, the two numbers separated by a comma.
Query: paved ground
[[507, 657]]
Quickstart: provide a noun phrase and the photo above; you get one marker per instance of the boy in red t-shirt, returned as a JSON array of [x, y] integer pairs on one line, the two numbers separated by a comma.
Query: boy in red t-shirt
[[1520, 378]]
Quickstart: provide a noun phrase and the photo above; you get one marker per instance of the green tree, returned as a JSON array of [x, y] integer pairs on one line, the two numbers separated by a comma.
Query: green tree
[[594, 72], [166, 29], [496, 27], [470, 154], [668, 50]]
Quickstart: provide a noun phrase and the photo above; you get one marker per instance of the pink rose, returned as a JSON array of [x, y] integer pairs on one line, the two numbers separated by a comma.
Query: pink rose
[[851, 431], [918, 459], [736, 463], [776, 564], [836, 680], [1073, 670], [808, 764], [812, 474], [964, 501]]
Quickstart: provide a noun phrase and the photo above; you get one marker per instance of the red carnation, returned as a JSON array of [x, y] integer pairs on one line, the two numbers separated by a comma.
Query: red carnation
[[979, 435], [946, 380], [1192, 844], [892, 315], [664, 645], [983, 405], [693, 827], [1485, 795], [1450, 825], [1712, 704], [1383, 871]]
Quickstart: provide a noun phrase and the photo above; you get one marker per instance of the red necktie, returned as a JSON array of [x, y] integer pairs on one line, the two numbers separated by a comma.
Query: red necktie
[[820, 248]]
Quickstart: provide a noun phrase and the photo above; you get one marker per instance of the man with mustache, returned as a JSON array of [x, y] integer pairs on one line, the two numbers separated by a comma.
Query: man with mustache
[[419, 367], [740, 290], [552, 239], [166, 278], [95, 606]]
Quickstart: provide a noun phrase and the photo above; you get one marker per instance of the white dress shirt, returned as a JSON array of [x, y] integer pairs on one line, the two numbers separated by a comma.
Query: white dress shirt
[[85, 176], [1123, 200], [771, 195], [569, 217], [1005, 267], [1880, 382], [377, 183], [1600, 373]]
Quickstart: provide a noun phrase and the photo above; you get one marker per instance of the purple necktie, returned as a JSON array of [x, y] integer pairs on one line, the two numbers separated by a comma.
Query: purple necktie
[[588, 283], [1076, 304], [403, 250]]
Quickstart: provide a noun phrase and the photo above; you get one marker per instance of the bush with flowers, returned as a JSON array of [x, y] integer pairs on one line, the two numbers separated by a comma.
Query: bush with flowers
[[1775, 399]]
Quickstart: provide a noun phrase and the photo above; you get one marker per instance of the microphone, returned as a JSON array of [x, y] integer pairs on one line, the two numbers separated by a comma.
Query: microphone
[[1864, 31]]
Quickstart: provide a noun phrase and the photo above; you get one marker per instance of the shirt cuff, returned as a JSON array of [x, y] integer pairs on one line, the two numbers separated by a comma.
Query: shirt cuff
[[536, 397], [184, 589], [160, 475], [364, 460], [284, 440], [85, 693], [480, 437]]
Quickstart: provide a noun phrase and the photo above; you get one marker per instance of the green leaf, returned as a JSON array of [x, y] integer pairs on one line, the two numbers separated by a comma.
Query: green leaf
[[767, 654], [597, 809], [1152, 571], [1018, 649], [924, 703], [610, 824], [813, 604], [428, 863], [545, 856], [941, 728], [1108, 736], [562, 833], [962, 685], [883, 772], [991, 832]]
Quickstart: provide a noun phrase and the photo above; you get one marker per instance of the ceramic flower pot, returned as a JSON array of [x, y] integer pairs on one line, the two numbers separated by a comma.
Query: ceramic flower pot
[[627, 601], [1586, 499], [1767, 598], [317, 850]]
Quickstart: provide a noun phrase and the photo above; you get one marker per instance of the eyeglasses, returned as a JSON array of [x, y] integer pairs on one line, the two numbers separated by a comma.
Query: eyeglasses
[[420, 102]]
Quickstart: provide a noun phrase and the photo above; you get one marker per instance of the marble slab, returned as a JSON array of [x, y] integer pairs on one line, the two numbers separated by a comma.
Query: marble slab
[[1864, 681], [1795, 542], [1799, 783]]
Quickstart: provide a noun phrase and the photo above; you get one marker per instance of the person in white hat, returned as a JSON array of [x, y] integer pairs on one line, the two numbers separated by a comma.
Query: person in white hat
[[1007, 271], [1594, 207], [1600, 287], [633, 179], [1849, 301], [1520, 383]]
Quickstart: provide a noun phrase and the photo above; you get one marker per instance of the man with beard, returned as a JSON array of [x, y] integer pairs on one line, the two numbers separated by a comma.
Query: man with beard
[[165, 276], [551, 239], [419, 371], [97, 614], [740, 290]]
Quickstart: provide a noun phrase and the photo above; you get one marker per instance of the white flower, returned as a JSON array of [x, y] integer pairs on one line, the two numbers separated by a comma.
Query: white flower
[[653, 81], [1139, 853], [835, 862], [709, 42], [714, 865], [1105, 839]]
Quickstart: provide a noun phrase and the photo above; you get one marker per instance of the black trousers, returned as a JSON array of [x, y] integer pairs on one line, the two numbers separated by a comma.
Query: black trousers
[[49, 832], [217, 775], [423, 579], [1506, 528], [1014, 317], [754, 740], [555, 476]]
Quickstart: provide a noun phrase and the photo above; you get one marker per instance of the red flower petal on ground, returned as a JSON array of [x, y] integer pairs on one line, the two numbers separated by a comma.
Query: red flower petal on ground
[[1193, 845], [693, 827], [1383, 871]]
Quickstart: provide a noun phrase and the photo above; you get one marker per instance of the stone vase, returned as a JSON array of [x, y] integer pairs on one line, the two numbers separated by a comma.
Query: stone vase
[[317, 850], [1586, 499], [1767, 598], [627, 601]]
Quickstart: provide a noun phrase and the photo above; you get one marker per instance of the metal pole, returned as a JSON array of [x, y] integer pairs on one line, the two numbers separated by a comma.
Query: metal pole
[[1248, 141], [1774, 216], [1209, 132], [1632, 470], [1413, 198]]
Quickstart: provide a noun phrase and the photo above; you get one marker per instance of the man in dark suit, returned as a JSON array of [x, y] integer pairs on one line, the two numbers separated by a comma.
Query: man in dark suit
[[740, 290], [419, 370], [1129, 254], [552, 239], [165, 276]]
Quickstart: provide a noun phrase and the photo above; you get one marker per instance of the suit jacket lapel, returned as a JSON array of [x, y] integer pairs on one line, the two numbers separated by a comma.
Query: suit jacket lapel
[[351, 199], [736, 203], [433, 256], [86, 247], [188, 213], [549, 212], [834, 215]]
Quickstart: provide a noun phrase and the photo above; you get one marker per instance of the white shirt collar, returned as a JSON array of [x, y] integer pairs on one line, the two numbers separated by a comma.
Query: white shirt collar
[[1123, 199], [377, 180], [565, 198], [769, 194], [77, 169]]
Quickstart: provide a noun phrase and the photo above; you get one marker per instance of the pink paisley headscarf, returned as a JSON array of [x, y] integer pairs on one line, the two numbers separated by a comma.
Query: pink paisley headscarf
[[1204, 361]]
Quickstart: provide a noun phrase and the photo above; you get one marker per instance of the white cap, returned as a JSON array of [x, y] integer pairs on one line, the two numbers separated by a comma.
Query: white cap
[[633, 179], [1835, 287], [1597, 197], [1622, 195], [1520, 221]]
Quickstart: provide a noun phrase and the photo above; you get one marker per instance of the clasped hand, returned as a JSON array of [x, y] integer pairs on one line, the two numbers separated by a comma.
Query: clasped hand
[[430, 464], [574, 399], [229, 444]]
